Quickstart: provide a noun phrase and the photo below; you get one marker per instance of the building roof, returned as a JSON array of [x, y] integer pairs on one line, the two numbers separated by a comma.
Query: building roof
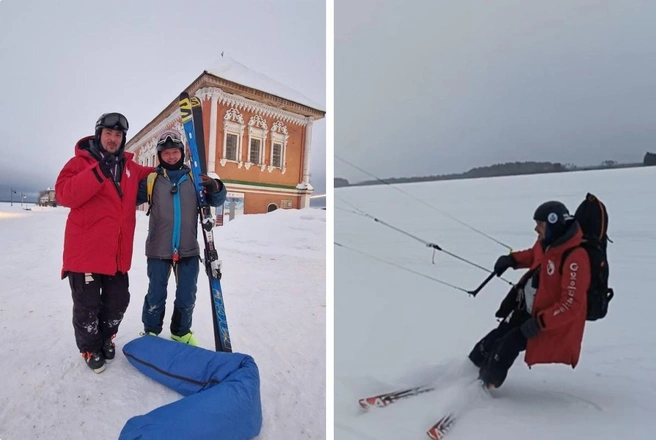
[[231, 70], [228, 70]]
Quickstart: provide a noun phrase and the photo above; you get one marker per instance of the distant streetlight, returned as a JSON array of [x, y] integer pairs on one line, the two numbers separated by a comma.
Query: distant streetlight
[[11, 196]]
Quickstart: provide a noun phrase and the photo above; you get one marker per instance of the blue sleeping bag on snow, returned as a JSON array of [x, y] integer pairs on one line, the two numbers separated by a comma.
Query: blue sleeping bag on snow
[[222, 392]]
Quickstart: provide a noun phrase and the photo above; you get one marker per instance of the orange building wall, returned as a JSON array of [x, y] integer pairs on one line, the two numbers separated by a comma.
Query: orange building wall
[[258, 203], [232, 174], [293, 151]]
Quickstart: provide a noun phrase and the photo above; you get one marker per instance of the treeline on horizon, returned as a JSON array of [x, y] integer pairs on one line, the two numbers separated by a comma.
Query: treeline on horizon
[[504, 169]]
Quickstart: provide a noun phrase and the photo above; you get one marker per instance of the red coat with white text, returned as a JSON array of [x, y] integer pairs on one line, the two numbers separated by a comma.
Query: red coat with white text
[[560, 304]]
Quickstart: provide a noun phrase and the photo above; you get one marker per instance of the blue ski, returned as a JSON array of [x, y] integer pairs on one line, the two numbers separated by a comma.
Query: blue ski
[[193, 127]]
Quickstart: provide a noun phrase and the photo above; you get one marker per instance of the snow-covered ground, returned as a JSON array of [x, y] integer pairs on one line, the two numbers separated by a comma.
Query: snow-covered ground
[[274, 286], [393, 327]]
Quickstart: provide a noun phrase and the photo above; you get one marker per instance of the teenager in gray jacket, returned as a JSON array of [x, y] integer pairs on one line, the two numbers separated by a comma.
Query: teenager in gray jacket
[[172, 242]]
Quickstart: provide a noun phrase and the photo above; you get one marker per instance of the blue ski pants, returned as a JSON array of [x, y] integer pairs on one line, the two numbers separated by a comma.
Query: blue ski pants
[[186, 278]]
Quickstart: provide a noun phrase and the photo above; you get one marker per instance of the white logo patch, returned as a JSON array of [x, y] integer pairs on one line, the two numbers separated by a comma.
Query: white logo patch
[[552, 218], [551, 267], [127, 173]]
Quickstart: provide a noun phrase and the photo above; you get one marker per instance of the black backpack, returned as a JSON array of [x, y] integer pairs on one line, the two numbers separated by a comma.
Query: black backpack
[[592, 217]]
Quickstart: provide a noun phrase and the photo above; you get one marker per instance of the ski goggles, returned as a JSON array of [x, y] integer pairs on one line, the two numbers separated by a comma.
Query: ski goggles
[[169, 135], [115, 121]]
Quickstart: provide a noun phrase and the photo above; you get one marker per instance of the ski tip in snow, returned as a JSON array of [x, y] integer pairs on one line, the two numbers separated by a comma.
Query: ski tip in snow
[[382, 400], [439, 430], [369, 402]]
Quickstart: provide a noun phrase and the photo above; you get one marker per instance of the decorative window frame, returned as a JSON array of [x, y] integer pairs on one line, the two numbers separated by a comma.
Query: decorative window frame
[[279, 135], [233, 123], [257, 129], [148, 153]]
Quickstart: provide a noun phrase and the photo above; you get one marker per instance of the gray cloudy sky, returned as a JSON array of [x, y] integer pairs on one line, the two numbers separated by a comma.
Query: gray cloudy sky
[[66, 62], [433, 86]]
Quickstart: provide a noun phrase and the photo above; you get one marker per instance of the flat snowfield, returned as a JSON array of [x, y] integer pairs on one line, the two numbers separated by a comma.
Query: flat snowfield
[[394, 327]]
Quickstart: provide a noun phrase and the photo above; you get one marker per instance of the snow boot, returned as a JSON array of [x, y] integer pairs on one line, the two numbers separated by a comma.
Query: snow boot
[[109, 349], [186, 339], [95, 361]]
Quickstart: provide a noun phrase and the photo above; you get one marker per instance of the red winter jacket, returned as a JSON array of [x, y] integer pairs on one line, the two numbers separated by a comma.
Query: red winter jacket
[[561, 300], [99, 231]]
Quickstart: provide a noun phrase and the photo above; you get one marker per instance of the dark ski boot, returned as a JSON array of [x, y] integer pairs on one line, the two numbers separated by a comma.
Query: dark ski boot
[[95, 361], [109, 349]]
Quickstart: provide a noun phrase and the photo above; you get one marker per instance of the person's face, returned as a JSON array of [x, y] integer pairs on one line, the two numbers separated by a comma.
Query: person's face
[[171, 155], [111, 139], [540, 228]]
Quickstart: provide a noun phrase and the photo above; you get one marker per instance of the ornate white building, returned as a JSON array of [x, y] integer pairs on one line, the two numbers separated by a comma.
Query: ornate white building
[[258, 137]]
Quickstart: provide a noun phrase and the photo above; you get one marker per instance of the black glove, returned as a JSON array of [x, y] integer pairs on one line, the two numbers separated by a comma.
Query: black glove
[[211, 185], [530, 328], [107, 164], [503, 263]]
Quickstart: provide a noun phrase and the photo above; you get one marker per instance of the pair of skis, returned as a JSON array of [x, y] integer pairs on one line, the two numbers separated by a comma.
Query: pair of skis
[[444, 425], [192, 120]]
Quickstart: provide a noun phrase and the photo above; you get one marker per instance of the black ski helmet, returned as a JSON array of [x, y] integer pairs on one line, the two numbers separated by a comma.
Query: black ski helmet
[[555, 215], [114, 121]]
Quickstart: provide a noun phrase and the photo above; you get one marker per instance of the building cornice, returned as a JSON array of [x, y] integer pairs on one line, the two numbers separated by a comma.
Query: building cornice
[[277, 101], [207, 86], [242, 103]]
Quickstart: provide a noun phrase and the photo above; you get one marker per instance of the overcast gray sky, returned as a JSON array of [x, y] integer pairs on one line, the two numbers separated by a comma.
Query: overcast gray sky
[[65, 62], [433, 86]]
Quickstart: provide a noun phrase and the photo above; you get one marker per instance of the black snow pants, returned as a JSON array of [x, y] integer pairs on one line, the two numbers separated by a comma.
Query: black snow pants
[[497, 351], [99, 303]]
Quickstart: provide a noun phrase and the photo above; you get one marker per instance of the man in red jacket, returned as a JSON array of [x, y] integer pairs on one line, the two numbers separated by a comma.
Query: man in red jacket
[[100, 185], [545, 312]]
